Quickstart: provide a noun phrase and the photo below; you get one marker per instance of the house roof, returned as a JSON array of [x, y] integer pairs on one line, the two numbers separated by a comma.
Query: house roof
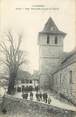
[[51, 28], [68, 59], [68, 55]]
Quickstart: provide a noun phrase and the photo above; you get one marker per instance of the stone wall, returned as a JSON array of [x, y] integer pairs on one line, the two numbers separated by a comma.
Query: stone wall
[[28, 108]]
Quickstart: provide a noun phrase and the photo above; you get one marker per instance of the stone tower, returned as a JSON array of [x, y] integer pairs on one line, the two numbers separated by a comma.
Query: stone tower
[[50, 42]]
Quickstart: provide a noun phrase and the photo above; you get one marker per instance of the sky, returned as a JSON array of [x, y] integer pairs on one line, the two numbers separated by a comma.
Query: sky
[[22, 17]]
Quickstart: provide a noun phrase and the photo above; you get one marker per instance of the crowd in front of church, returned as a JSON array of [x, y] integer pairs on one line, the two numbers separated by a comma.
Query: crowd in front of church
[[33, 93], [38, 96]]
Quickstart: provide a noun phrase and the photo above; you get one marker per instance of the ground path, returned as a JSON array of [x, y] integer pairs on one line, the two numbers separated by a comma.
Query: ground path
[[54, 102]]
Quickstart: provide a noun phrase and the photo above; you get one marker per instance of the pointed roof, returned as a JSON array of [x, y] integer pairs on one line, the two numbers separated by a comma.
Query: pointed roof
[[51, 28]]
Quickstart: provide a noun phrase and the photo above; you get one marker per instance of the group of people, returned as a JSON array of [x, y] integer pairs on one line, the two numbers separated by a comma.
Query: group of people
[[39, 96], [27, 88], [42, 97]]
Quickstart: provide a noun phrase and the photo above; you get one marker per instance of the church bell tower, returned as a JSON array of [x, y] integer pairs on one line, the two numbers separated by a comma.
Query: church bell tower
[[50, 41]]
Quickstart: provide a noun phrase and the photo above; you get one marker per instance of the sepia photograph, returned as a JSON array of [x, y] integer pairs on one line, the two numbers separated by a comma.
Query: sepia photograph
[[37, 58]]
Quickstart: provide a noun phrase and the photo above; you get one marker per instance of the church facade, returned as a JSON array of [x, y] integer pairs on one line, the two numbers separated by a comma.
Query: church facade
[[57, 68]]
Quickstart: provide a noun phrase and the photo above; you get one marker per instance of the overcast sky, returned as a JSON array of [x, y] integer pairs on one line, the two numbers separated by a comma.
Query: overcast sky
[[30, 22]]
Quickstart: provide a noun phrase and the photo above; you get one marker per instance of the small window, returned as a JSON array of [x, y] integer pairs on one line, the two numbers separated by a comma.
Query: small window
[[48, 39], [70, 77], [60, 77], [56, 40]]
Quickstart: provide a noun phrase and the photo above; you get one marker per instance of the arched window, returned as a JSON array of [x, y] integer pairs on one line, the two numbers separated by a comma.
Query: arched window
[[48, 39], [56, 40]]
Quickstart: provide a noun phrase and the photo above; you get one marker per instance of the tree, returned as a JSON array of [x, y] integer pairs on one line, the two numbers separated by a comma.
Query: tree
[[13, 58]]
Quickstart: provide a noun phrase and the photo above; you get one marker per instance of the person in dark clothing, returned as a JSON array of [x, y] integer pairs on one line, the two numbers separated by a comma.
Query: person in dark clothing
[[40, 96], [25, 95], [37, 96], [49, 100], [31, 95], [45, 96], [23, 87]]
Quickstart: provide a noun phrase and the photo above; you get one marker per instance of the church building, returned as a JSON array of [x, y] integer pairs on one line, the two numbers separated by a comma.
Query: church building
[[57, 68]]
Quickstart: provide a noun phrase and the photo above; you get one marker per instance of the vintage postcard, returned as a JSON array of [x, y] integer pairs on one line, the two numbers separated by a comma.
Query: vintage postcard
[[37, 58]]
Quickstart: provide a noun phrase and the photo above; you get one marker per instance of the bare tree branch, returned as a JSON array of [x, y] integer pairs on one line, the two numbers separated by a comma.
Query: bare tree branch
[[13, 57]]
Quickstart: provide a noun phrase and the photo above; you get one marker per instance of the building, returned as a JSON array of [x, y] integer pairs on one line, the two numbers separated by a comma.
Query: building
[[50, 50], [64, 77], [25, 79], [57, 68]]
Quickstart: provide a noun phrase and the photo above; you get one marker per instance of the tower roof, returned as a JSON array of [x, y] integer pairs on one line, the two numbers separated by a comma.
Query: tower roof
[[51, 28]]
